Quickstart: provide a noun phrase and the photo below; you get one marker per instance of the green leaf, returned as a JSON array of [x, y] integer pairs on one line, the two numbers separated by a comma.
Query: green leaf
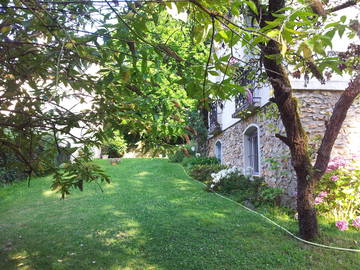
[[198, 34], [5, 29], [252, 6], [273, 33]]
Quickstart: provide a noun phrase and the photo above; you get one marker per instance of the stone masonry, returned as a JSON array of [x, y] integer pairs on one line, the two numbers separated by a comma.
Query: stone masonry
[[275, 165]]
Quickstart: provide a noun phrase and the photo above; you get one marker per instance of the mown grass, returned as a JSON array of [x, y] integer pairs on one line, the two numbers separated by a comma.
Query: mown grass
[[152, 216]]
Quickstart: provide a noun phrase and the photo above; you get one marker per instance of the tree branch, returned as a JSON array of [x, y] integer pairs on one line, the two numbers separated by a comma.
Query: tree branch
[[209, 58], [334, 125], [283, 139], [347, 4], [18, 153], [219, 16]]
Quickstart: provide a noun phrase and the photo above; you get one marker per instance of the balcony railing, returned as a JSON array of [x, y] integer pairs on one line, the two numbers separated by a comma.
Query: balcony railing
[[246, 104], [214, 125]]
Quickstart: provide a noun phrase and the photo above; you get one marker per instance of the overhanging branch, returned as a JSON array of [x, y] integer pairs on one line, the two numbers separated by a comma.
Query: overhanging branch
[[334, 125], [347, 4]]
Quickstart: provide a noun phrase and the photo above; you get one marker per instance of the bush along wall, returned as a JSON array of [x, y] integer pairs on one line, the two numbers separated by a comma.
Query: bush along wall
[[203, 172], [242, 188]]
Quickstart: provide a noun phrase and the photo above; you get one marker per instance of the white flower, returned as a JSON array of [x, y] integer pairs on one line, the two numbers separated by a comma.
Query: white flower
[[223, 174]]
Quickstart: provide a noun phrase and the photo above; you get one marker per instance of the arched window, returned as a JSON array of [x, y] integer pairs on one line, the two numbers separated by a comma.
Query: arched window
[[218, 153], [251, 151]]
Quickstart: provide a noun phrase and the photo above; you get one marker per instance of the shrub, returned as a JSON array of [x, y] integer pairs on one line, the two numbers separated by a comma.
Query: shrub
[[338, 192], [269, 195], [203, 172], [182, 152], [231, 181], [189, 162], [115, 148], [12, 169], [177, 156]]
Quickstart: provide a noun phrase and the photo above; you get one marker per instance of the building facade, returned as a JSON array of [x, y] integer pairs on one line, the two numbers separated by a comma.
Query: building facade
[[242, 132]]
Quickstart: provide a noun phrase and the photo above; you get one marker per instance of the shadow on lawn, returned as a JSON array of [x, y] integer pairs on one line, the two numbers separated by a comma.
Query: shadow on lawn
[[149, 220]]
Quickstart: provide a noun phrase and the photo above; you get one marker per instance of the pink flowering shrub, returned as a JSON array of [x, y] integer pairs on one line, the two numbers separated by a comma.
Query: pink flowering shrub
[[356, 222], [343, 225], [338, 192], [336, 163]]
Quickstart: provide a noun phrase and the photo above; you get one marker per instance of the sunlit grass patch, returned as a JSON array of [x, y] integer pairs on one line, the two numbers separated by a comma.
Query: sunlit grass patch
[[152, 216]]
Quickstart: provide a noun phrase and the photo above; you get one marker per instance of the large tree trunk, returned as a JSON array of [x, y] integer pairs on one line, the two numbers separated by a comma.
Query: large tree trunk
[[308, 225], [295, 139]]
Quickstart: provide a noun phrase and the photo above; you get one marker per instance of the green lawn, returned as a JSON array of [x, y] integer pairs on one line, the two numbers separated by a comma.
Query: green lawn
[[152, 216]]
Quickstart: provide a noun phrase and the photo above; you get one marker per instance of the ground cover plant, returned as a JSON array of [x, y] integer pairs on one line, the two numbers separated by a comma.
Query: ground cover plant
[[203, 172], [250, 190], [151, 216], [189, 162]]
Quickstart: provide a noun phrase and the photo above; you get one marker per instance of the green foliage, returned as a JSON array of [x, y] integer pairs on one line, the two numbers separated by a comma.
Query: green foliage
[[189, 162], [338, 192], [177, 156], [9, 175], [115, 147], [76, 173], [244, 189], [151, 66], [269, 195], [203, 172], [44, 65], [181, 152], [200, 132], [9, 171]]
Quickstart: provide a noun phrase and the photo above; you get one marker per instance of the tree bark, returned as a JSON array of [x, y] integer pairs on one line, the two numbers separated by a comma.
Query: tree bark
[[296, 140], [334, 125]]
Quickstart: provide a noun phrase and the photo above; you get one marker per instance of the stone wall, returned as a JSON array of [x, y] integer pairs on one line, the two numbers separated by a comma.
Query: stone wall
[[275, 165]]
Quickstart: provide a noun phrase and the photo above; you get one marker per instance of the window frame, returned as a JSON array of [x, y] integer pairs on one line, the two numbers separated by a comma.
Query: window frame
[[251, 149], [216, 151]]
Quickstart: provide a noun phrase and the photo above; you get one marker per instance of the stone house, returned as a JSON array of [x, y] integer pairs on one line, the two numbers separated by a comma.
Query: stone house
[[241, 132]]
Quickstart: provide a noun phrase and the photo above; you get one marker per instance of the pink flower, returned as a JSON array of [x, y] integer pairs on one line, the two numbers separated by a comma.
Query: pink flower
[[233, 60], [336, 163], [342, 225], [322, 194], [318, 200], [334, 178], [356, 222]]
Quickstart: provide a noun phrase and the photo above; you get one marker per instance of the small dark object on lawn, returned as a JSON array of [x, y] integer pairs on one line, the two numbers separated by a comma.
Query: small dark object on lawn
[[115, 161]]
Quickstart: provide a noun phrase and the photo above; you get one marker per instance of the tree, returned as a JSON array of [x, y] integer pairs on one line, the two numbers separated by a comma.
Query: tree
[[295, 35], [45, 56], [48, 53], [281, 35]]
